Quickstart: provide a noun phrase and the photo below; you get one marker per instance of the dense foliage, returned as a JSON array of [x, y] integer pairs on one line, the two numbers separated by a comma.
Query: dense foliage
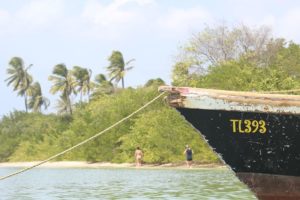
[[159, 130], [21, 133], [240, 58], [237, 58]]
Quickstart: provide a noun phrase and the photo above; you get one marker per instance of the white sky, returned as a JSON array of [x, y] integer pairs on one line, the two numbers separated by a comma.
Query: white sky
[[84, 33]]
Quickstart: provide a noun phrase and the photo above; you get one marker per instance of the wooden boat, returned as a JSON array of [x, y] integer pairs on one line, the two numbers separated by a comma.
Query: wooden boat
[[256, 135]]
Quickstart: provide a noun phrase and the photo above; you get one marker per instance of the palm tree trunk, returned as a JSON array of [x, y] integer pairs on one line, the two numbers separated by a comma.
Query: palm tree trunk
[[70, 106], [123, 83], [25, 99]]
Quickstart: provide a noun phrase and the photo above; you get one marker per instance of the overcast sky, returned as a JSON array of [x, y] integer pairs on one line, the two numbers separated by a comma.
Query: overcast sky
[[85, 32]]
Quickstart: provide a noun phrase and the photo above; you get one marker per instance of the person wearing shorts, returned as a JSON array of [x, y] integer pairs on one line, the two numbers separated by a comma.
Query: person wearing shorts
[[189, 156]]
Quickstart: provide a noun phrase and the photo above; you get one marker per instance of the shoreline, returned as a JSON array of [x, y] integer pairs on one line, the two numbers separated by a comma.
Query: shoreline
[[84, 164]]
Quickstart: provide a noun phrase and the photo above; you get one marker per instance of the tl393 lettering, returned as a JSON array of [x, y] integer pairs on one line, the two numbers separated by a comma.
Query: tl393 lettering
[[248, 126]]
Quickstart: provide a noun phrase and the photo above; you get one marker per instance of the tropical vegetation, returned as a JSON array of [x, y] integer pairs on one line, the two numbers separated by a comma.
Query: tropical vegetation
[[118, 67], [19, 77], [221, 57], [238, 58]]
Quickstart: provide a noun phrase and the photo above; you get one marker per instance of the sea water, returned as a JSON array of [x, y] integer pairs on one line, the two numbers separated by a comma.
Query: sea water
[[108, 183]]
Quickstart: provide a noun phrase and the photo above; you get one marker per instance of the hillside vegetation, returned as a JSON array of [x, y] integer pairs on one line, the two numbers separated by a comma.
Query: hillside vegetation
[[238, 58], [159, 130]]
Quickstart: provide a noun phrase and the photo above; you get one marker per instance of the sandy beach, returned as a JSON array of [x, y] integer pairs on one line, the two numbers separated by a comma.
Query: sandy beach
[[83, 164]]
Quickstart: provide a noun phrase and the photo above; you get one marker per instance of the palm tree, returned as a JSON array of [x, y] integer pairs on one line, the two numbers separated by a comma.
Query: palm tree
[[102, 85], [117, 67], [64, 83], [19, 77], [36, 98], [63, 105], [83, 80]]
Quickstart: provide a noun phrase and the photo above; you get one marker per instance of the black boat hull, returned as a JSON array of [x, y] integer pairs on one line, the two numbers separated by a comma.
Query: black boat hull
[[261, 148]]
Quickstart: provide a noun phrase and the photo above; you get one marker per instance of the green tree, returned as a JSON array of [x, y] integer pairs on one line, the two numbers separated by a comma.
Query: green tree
[[162, 134], [83, 82], [244, 76], [19, 77], [159, 130], [63, 82], [155, 82], [183, 76], [29, 136], [288, 59], [238, 58], [215, 45], [221, 43], [62, 105], [117, 67], [36, 98], [102, 85]]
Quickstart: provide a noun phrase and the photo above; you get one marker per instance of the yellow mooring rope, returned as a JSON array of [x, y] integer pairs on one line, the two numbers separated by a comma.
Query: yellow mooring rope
[[85, 141]]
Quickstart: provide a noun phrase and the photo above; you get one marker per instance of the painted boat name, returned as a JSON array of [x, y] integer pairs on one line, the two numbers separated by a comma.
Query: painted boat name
[[248, 126]]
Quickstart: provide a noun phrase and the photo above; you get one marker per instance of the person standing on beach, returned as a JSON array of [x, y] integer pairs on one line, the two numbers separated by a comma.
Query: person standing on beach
[[189, 156], [138, 156]]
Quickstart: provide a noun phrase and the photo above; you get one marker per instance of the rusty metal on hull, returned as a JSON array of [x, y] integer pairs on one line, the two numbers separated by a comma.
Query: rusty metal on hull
[[272, 187]]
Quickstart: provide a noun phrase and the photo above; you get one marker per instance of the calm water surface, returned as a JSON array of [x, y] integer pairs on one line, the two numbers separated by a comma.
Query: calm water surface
[[76, 184]]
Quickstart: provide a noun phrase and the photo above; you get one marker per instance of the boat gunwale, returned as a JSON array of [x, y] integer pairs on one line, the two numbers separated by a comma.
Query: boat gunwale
[[236, 96]]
